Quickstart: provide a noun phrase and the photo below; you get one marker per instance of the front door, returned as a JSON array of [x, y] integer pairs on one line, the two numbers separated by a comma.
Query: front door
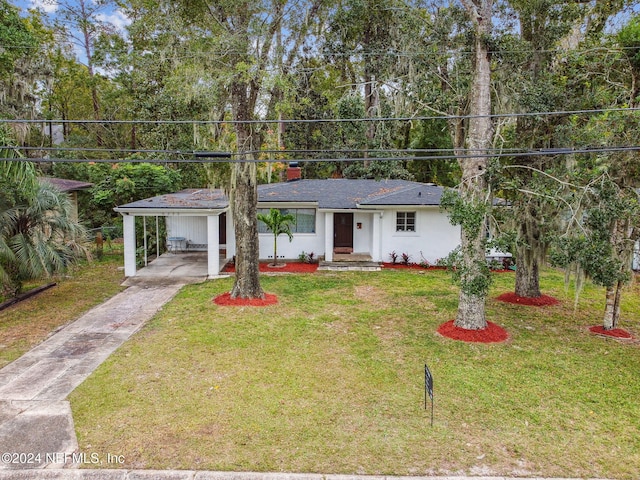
[[222, 229], [343, 230]]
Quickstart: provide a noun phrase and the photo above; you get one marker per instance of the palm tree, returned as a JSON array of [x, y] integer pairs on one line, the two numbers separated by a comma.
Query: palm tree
[[38, 237], [278, 223], [14, 176]]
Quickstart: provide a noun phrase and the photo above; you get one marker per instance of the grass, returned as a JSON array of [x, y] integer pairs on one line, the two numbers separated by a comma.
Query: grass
[[26, 324], [331, 380]]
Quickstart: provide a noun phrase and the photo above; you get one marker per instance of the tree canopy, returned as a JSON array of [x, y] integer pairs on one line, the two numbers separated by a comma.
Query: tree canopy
[[374, 88]]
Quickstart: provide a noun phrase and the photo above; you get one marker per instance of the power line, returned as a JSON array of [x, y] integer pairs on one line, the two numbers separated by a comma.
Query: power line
[[322, 52], [199, 153], [419, 153], [466, 156], [319, 120]]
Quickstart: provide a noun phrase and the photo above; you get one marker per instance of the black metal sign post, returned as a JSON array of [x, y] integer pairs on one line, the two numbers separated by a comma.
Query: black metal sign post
[[428, 389]]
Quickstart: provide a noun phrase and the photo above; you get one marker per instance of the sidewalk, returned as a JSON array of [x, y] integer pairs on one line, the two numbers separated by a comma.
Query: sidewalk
[[194, 475], [34, 415]]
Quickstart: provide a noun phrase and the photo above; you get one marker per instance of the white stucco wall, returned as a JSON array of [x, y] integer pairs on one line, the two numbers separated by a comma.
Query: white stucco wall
[[302, 242], [362, 240], [434, 237]]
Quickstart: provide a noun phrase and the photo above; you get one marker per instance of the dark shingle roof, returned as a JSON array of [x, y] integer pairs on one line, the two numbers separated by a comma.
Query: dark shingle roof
[[349, 194], [327, 194], [184, 199], [65, 185]]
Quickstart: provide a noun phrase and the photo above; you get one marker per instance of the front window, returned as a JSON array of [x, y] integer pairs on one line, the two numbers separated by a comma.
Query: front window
[[406, 222], [305, 220]]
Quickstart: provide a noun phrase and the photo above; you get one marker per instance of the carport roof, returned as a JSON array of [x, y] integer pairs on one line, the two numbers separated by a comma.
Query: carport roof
[[327, 194], [183, 200]]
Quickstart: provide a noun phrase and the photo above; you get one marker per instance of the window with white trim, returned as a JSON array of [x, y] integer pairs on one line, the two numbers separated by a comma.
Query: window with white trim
[[305, 219], [405, 221]]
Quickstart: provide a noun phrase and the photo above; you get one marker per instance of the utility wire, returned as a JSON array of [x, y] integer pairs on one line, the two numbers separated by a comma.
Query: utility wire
[[123, 151], [532, 153], [419, 153], [323, 120], [321, 52]]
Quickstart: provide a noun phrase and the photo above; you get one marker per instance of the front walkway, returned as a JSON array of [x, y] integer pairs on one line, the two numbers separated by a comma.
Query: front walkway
[[35, 417]]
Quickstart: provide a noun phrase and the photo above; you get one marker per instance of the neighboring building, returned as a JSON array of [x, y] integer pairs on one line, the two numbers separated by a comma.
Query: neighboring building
[[333, 216], [71, 188]]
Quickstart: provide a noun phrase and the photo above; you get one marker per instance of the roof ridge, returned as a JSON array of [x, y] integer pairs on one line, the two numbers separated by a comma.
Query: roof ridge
[[401, 190]]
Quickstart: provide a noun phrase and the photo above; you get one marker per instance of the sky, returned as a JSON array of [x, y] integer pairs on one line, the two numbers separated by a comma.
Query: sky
[[110, 14]]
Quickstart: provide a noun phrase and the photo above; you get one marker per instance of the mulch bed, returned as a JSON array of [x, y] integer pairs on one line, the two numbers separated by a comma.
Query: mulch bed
[[290, 267], [541, 301], [415, 266], [492, 334], [226, 301], [613, 333]]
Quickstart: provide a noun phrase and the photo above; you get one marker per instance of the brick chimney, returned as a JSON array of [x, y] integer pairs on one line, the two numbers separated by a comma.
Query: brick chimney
[[293, 172]]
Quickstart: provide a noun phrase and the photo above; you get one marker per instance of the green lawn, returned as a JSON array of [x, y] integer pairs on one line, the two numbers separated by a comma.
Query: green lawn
[[331, 380], [26, 324]]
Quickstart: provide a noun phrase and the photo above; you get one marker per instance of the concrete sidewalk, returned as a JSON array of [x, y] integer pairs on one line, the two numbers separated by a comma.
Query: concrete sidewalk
[[202, 475], [35, 417]]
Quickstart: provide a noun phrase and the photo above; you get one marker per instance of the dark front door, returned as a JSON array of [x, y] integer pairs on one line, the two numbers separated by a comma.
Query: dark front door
[[222, 229], [343, 230]]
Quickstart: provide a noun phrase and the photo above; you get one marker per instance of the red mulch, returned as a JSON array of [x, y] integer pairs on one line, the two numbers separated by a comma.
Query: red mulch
[[290, 267], [411, 265], [226, 300], [541, 301], [615, 332], [492, 334], [417, 266]]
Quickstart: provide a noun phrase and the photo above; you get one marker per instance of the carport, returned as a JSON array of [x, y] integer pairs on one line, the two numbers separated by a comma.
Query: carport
[[197, 207]]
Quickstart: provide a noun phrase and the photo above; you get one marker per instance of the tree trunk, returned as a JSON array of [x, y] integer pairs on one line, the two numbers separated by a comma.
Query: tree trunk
[[623, 239], [610, 320], [471, 304], [473, 188], [370, 105], [527, 256], [84, 24], [527, 274], [244, 201], [612, 306], [275, 250]]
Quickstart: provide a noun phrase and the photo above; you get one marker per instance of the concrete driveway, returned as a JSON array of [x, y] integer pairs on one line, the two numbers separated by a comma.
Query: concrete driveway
[[36, 427], [171, 268]]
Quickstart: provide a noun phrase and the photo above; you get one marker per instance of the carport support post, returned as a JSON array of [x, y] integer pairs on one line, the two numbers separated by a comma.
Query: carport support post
[[144, 239], [129, 234], [213, 245]]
